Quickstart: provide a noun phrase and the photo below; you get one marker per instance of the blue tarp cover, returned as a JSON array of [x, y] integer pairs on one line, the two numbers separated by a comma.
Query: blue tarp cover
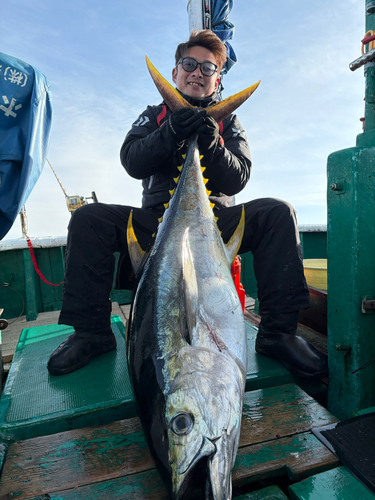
[[220, 10], [25, 126]]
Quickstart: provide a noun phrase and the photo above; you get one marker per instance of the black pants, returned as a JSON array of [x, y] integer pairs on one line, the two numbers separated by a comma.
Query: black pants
[[98, 230]]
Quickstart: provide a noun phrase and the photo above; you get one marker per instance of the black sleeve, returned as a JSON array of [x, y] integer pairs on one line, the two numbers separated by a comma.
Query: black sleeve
[[228, 165], [147, 147]]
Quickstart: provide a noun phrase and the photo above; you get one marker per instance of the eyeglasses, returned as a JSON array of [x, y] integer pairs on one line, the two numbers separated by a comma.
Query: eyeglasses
[[189, 64]]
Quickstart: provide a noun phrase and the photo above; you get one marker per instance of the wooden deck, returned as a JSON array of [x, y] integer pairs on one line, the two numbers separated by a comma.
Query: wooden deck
[[113, 461]]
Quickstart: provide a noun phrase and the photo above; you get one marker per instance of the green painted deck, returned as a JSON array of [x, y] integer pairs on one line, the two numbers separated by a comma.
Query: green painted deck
[[335, 484], [78, 437], [113, 462], [35, 403]]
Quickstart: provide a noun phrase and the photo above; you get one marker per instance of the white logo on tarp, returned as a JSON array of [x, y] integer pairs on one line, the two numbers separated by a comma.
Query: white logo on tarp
[[11, 106], [13, 76], [142, 121]]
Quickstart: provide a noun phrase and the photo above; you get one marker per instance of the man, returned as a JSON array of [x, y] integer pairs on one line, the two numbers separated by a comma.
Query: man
[[152, 151]]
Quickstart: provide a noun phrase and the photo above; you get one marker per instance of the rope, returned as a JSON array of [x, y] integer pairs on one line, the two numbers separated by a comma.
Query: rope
[[38, 271], [369, 39], [58, 180]]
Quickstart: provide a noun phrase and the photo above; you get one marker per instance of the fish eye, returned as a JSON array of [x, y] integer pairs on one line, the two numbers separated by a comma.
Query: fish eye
[[182, 423]]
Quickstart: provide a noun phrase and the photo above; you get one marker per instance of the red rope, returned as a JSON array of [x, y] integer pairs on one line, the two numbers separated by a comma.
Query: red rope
[[38, 271]]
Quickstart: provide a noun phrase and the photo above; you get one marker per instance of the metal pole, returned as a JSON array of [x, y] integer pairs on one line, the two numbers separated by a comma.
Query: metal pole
[[195, 10], [370, 73]]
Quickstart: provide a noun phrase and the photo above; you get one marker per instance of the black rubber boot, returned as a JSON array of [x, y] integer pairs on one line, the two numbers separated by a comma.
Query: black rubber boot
[[277, 339], [78, 350]]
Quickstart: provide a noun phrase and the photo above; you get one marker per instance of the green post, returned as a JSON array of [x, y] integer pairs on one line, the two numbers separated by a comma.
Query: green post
[[351, 262]]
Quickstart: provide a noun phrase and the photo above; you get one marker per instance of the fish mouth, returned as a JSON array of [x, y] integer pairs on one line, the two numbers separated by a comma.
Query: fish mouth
[[208, 477]]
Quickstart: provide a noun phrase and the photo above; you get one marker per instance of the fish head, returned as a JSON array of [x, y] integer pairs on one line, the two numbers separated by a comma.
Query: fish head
[[203, 417]]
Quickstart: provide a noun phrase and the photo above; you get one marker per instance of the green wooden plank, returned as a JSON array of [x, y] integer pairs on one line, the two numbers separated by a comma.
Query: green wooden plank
[[296, 457], [281, 411], [34, 403], [335, 484], [145, 486], [270, 493], [31, 287]]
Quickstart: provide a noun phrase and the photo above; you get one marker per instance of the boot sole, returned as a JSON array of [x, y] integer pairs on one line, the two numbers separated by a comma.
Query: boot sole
[[294, 371], [81, 364]]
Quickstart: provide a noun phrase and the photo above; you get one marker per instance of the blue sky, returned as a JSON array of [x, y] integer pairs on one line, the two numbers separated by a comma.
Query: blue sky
[[93, 53]]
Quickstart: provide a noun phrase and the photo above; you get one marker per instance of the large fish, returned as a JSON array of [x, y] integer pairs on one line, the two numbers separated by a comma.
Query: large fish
[[186, 335]]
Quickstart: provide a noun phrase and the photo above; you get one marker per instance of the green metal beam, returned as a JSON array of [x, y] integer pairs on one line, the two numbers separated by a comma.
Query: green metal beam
[[351, 262]]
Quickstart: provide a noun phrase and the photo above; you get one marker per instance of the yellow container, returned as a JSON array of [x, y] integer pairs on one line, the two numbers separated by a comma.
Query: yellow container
[[316, 273]]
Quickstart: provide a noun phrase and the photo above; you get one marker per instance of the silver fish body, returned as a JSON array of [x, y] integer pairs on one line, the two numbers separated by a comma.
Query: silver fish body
[[187, 345]]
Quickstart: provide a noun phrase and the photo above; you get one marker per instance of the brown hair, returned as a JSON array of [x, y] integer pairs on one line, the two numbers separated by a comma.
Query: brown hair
[[206, 39]]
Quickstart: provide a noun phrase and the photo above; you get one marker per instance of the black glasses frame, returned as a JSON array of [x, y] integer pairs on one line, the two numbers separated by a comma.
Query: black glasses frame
[[206, 71]]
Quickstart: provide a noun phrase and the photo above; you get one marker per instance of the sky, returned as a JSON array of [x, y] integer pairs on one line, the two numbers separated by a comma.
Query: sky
[[308, 104]]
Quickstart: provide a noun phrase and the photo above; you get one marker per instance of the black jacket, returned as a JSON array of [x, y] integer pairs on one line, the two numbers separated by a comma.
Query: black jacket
[[150, 153]]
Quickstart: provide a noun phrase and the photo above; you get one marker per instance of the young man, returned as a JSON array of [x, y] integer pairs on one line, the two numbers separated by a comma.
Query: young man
[[152, 151]]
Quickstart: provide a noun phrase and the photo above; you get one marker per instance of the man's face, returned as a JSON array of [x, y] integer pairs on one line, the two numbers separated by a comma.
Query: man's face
[[195, 84]]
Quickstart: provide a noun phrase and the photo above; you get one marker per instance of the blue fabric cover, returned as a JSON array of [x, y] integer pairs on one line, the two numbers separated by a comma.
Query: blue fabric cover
[[220, 10], [25, 126]]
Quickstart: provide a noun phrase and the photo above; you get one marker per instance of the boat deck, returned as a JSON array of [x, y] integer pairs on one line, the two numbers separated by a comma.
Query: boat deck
[[78, 437]]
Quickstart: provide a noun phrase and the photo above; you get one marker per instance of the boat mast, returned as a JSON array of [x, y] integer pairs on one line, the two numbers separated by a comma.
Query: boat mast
[[196, 12]]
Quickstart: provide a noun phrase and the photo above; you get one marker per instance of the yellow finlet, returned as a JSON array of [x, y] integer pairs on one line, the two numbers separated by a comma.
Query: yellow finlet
[[203, 169], [160, 220], [184, 156], [180, 168], [205, 180], [201, 156], [166, 205], [176, 179], [208, 192], [212, 205], [171, 191], [217, 218]]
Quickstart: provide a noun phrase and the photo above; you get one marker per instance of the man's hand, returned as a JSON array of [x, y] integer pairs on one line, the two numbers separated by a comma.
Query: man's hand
[[184, 122], [209, 134]]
